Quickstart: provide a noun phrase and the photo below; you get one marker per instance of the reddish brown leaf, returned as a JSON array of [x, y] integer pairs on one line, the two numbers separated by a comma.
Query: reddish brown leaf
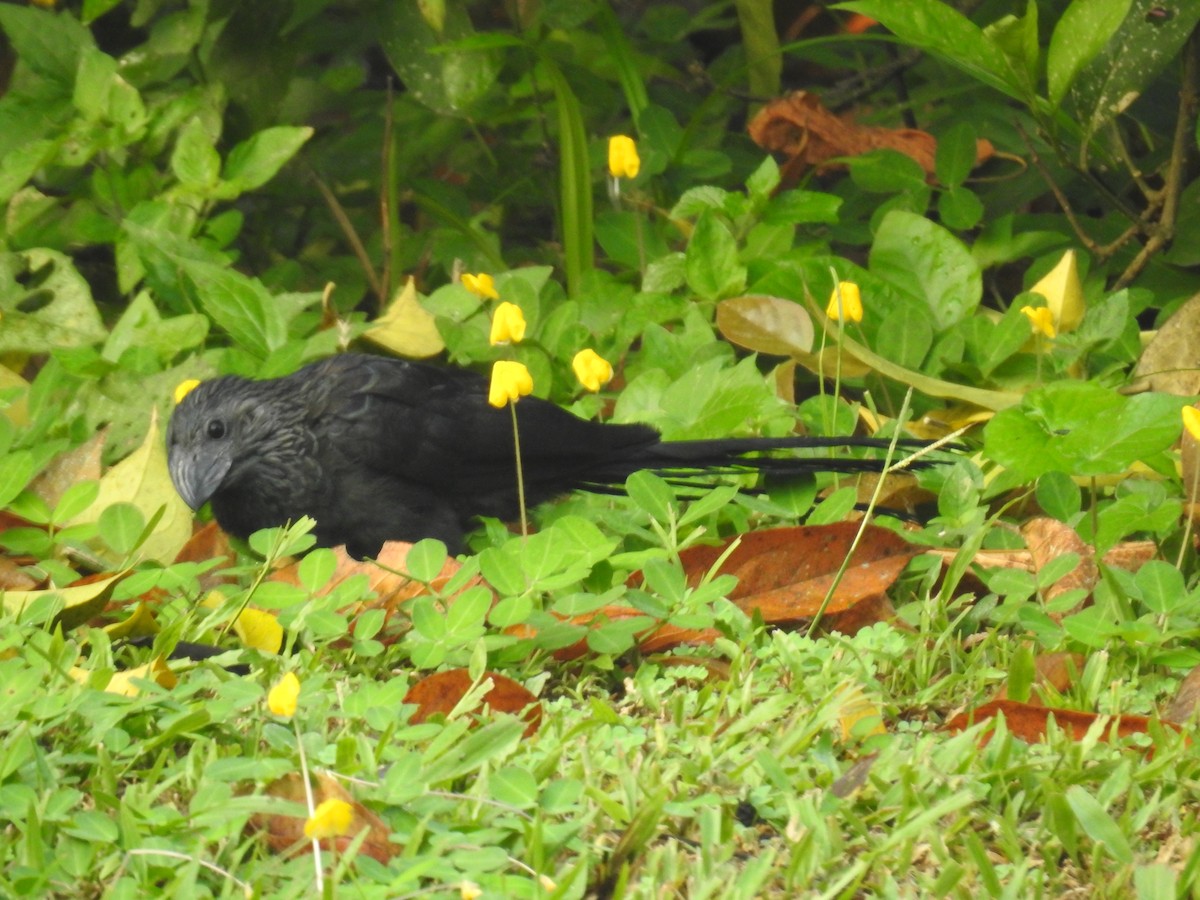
[[441, 692], [810, 135], [1030, 722], [285, 834], [786, 573]]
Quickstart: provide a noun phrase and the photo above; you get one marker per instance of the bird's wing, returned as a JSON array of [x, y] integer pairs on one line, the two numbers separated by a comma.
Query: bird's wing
[[434, 427]]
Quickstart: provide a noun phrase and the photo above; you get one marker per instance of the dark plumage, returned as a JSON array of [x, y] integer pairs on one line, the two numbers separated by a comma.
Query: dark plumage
[[379, 449]]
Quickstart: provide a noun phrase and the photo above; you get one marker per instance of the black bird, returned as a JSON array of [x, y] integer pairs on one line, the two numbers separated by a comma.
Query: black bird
[[378, 449]]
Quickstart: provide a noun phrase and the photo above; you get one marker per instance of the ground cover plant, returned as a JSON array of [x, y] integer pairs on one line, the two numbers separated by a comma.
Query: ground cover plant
[[974, 221]]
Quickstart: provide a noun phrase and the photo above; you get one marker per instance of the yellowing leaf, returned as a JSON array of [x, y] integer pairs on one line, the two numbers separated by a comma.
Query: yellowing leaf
[[405, 328], [1064, 293], [123, 682], [857, 715], [80, 602], [143, 480], [18, 411], [141, 624]]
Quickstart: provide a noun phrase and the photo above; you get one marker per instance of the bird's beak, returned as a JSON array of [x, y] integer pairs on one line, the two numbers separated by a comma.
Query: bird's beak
[[195, 477]]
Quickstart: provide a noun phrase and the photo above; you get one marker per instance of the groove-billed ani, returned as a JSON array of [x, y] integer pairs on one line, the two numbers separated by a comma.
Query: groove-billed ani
[[379, 449]]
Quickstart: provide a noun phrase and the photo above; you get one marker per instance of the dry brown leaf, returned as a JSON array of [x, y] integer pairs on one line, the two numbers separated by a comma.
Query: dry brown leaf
[[1186, 698], [1171, 361], [285, 834], [1029, 722], [441, 693], [1049, 539], [810, 135], [81, 463], [785, 573]]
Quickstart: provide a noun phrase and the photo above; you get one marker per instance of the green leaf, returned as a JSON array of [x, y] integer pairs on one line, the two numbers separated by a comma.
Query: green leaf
[[1142, 47], [925, 261], [1059, 496], [1099, 825], [802, 208], [713, 270], [425, 560], [16, 469], [955, 154], [1085, 27], [49, 43], [45, 304], [1080, 428], [938, 28], [257, 160], [120, 525], [1162, 587], [195, 161]]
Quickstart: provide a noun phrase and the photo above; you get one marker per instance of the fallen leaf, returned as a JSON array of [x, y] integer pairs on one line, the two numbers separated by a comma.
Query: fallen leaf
[[1029, 722], [1186, 699], [285, 834], [81, 463], [784, 574], [123, 682], [1170, 362], [1048, 539], [810, 135], [143, 480], [81, 599], [442, 691]]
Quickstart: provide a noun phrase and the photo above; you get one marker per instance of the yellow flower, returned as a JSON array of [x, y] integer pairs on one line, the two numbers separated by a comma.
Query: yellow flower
[[281, 699], [623, 159], [184, 388], [510, 382], [1040, 319], [592, 369], [469, 890], [481, 285], [1191, 421], [850, 306], [508, 324], [332, 818]]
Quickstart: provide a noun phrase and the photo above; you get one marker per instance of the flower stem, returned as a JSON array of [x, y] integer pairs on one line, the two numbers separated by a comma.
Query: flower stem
[[520, 474]]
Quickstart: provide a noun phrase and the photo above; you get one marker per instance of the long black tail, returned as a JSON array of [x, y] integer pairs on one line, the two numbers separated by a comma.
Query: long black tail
[[689, 459]]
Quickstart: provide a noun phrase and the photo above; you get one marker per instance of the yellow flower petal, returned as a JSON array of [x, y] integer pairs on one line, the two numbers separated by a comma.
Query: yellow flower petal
[[510, 382], [184, 388], [481, 285], [850, 307], [1191, 421], [1040, 319], [592, 369], [332, 818], [469, 890], [508, 324], [1064, 293], [281, 699], [623, 161]]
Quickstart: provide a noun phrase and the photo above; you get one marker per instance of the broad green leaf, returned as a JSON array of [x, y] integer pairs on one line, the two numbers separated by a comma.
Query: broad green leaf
[[955, 154], [48, 42], [920, 258], [713, 269], [1081, 428], [195, 161], [802, 208], [257, 160], [45, 304], [938, 28], [1142, 47], [1085, 27]]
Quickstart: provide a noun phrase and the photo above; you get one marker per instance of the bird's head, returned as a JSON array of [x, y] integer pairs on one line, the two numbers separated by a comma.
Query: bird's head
[[211, 430]]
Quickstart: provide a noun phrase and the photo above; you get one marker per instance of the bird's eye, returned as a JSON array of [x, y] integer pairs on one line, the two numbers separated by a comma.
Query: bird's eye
[[216, 429]]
